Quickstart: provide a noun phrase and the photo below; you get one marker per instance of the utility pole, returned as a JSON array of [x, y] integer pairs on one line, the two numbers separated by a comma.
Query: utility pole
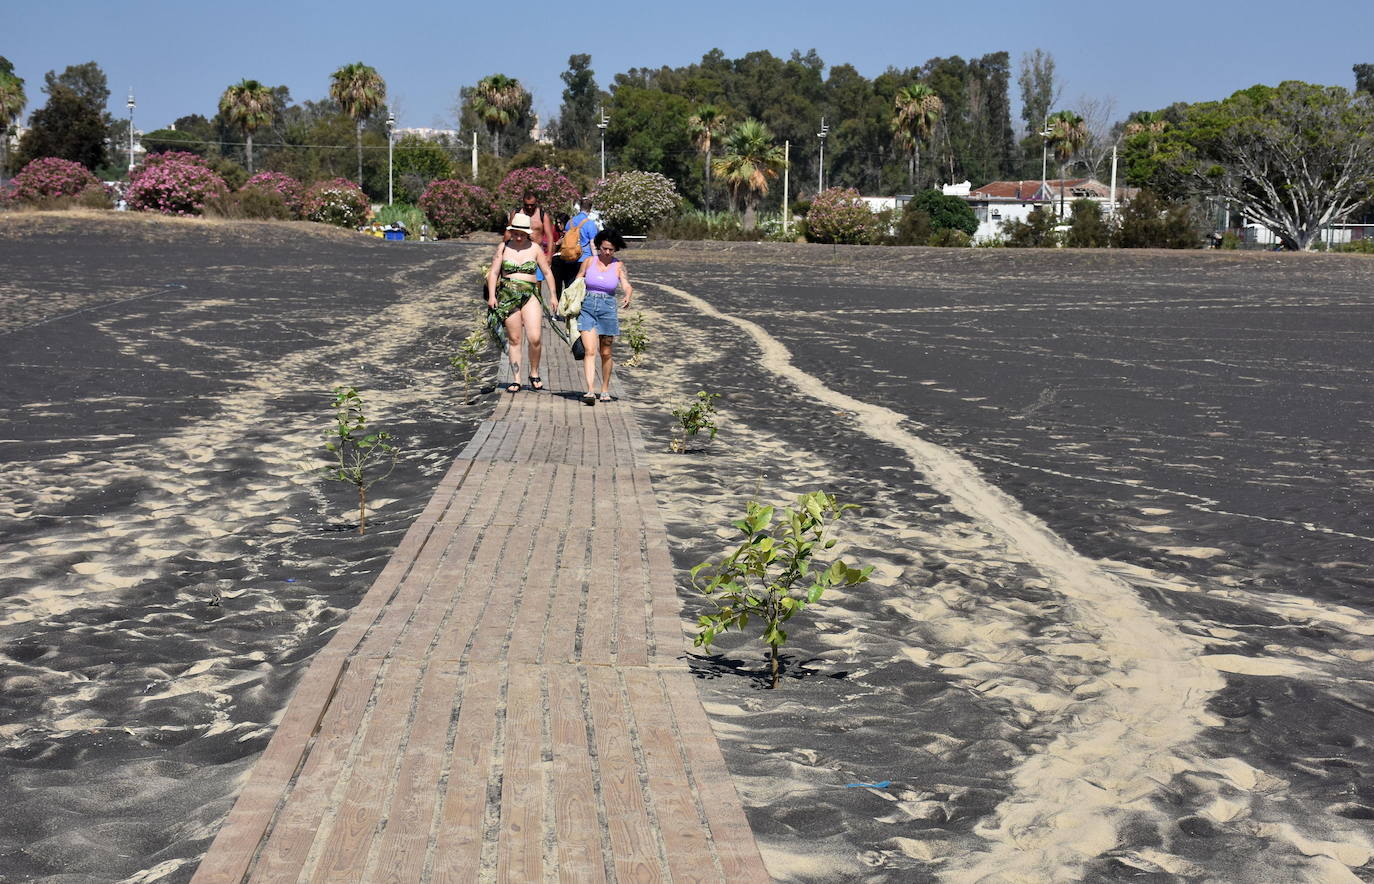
[[1112, 203], [474, 156], [786, 168], [1045, 134], [131, 129], [820, 173], [602, 126], [390, 142]]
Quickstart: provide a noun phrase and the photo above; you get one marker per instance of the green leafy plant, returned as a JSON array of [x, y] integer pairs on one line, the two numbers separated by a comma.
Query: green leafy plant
[[358, 453], [694, 417], [469, 352], [636, 337], [771, 575]]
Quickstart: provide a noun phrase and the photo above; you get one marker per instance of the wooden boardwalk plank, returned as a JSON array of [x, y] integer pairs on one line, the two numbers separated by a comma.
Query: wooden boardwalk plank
[[634, 844], [576, 826], [462, 818], [521, 844]]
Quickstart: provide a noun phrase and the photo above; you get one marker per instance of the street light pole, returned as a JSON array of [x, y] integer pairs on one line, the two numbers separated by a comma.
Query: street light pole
[[1045, 134], [131, 129], [602, 126], [390, 142], [820, 173]]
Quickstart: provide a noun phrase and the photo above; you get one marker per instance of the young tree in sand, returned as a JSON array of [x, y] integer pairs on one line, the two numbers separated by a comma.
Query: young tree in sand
[[248, 104], [359, 90]]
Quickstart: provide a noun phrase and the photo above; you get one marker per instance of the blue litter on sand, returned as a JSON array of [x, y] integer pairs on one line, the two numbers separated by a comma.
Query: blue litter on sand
[[290, 580], [883, 785]]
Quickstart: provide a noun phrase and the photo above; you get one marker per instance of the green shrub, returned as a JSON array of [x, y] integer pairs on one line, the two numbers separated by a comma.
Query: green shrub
[[1036, 232], [948, 237], [1230, 241], [913, 227], [839, 215], [1151, 222], [1087, 229], [946, 212], [250, 203], [408, 215], [1358, 247]]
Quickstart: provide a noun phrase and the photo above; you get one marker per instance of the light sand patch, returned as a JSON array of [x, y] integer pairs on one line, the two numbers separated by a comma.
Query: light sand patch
[[1255, 665], [1193, 552]]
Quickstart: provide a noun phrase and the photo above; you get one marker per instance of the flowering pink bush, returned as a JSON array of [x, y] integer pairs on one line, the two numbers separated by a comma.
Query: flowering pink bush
[[291, 191], [173, 156], [457, 208], [554, 191], [839, 215], [173, 185], [50, 178], [337, 201]]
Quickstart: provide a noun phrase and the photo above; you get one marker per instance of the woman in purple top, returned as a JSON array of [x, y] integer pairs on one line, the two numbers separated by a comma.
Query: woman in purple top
[[599, 321]]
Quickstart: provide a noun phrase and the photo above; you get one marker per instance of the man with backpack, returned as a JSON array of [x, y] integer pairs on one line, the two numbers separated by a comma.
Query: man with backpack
[[574, 247]]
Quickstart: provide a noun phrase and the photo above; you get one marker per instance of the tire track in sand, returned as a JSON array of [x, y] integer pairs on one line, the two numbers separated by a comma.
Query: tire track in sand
[[1121, 746]]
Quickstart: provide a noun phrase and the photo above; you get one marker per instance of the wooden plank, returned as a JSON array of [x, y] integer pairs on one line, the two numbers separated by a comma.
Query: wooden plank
[[418, 591], [405, 841], [532, 615], [599, 629], [458, 841], [577, 830], [520, 853], [679, 820], [632, 597], [491, 628], [734, 842], [288, 845], [634, 844], [561, 636], [357, 821]]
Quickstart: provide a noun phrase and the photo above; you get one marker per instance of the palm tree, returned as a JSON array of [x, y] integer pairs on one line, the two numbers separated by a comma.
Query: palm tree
[[249, 105], [359, 90], [751, 158], [1146, 121], [917, 112], [12, 101], [706, 126], [1069, 133], [497, 101]]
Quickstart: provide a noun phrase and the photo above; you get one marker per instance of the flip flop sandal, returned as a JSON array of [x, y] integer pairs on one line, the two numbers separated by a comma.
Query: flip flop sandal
[[588, 398], [513, 387], [536, 383], [605, 397]]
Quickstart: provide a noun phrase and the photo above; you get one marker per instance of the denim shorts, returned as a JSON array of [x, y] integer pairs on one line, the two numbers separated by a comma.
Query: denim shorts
[[599, 314]]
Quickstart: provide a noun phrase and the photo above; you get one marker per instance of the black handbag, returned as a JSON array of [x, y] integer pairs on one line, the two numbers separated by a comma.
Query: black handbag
[[579, 349]]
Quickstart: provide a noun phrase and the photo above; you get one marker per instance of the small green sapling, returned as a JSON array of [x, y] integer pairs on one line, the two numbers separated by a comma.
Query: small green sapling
[[358, 452], [770, 576]]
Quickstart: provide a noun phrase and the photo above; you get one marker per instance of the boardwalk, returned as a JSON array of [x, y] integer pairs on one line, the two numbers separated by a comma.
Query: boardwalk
[[509, 701]]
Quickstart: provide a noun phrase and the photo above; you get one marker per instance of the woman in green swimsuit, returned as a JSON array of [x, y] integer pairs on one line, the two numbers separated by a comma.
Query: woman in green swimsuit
[[513, 296]]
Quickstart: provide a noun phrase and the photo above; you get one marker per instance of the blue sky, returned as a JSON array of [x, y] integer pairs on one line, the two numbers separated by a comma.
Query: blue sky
[[179, 56]]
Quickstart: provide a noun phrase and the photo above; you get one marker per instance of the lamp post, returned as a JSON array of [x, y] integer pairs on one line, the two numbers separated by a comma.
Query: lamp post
[[820, 173], [390, 142], [602, 126], [131, 128], [1045, 134]]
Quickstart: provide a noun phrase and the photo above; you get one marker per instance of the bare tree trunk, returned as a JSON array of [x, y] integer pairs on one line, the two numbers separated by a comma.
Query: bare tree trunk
[[774, 649], [362, 509], [250, 152]]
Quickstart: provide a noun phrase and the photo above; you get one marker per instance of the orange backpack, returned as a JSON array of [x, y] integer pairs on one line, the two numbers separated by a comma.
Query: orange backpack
[[570, 249]]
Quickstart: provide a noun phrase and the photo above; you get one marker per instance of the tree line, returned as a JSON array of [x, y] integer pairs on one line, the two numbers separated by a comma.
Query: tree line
[[716, 128]]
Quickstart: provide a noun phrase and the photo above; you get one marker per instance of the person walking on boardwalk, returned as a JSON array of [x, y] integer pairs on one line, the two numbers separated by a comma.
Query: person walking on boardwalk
[[541, 224], [599, 321], [574, 246], [517, 308]]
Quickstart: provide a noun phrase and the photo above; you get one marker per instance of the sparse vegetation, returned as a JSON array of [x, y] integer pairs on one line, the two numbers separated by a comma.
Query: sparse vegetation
[[693, 418], [358, 453]]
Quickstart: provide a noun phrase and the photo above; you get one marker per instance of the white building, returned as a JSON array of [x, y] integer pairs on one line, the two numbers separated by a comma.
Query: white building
[[999, 202]]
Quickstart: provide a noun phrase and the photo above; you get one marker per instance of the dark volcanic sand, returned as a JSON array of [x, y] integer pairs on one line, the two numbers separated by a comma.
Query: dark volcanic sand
[[1175, 691], [169, 559], [1194, 426]]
